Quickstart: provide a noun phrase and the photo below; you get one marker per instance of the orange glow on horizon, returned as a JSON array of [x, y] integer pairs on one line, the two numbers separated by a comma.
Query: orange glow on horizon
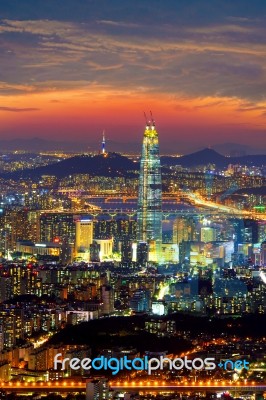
[[83, 112]]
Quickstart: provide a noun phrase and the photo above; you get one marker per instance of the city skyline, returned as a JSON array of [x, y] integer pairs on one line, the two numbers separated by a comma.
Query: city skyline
[[127, 272], [68, 73]]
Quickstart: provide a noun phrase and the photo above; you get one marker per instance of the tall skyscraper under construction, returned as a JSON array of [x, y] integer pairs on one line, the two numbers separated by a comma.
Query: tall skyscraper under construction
[[149, 215]]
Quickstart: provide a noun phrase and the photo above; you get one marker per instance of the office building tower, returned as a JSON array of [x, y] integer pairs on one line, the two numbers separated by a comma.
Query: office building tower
[[126, 251], [97, 389], [142, 253], [15, 226], [106, 248], [207, 234], [170, 252], [95, 252], [119, 229], [183, 230], [107, 294], [83, 238], [141, 300], [149, 214], [84, 235], [245, 231], [57, 225], [6, 289]]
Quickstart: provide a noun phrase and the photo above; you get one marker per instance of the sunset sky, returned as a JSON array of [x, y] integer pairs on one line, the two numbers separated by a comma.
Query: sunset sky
[[71, 68]]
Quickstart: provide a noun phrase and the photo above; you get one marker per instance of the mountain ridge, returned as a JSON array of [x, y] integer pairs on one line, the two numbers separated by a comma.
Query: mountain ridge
[[118, 165], [209, 156], [112, 165]]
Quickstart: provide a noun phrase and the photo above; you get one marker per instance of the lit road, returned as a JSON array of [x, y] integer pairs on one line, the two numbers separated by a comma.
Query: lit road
[[41, 340], [200, 201], [31, 387], [71, 386], [189, 387]]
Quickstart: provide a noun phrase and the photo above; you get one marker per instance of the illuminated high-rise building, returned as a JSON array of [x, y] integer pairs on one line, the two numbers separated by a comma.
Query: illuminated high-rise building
[[149, 215], [84, 235], [106, 248], [207, 234], [183, 230], [57, 225]]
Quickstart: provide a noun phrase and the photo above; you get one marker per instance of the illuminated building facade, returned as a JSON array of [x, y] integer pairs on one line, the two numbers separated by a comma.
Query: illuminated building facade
[[149, 214], [207, 234], [57, 225], [106, 248], [84, 235], [183, 230], [83, 238], [28, 248]]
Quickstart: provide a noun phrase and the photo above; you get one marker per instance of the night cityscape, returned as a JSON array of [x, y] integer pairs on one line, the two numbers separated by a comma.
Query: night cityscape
[[132, 201]]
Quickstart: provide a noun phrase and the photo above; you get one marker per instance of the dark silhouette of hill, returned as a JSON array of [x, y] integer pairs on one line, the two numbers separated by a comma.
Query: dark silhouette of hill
[[117, 332], [128, 331], [210, 156], [117, 165], [236, 149], [112, 165]]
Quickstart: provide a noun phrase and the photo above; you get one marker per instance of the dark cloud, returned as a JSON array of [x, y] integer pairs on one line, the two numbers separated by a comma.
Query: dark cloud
[[225, 50], [172, 11]]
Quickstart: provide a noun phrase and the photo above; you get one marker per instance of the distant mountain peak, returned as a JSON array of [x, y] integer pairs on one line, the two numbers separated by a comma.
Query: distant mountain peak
[[210, 156], [206, 150]]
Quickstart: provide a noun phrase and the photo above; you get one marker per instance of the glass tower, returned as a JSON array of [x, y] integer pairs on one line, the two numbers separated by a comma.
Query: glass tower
[[149, 214]]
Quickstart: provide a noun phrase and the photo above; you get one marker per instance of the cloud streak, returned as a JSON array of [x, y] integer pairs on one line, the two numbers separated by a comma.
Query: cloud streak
[[18, 110], [77, 51]]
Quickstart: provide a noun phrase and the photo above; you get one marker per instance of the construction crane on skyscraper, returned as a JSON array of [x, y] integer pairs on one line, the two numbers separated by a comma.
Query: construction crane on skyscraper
[[152, 120], [146, 119]]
